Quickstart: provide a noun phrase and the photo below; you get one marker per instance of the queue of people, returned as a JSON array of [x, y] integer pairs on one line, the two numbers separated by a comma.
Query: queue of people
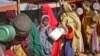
[[79, 33]]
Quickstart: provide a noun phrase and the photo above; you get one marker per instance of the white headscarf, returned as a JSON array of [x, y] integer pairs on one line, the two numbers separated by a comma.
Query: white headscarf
[[43, 17]]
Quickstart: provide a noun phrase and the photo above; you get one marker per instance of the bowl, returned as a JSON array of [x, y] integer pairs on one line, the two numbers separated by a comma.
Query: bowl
[[7, 33]]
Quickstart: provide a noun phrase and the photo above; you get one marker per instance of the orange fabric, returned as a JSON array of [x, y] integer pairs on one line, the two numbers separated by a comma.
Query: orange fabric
[[70, 33], [52, 20], [10, 7]]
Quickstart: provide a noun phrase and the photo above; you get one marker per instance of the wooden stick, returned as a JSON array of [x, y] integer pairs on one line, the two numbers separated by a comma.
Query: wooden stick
[[18, 4]]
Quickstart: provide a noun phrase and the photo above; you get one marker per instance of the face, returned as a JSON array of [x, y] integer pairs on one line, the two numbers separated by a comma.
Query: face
[[44, 12], [46, 21], [62, 8]]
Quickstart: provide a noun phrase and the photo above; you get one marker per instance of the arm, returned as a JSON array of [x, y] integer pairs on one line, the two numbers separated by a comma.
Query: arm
[[64, 23]]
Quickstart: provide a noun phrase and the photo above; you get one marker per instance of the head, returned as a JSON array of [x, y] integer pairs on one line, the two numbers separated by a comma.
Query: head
[[43, 11], [45, 20], [52, 19], [86, 5], [22, 24], [66, 7], [73, 6], [10, 15]]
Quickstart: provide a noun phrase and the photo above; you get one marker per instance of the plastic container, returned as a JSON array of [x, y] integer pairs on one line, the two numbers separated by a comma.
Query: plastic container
[[55, 34]]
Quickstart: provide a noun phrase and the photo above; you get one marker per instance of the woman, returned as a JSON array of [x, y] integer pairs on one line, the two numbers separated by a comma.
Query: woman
[[46, 10], [27, 39], [89, 27], [45, 30], [95, 32], [53, 24], [70, 19], [22, 24]]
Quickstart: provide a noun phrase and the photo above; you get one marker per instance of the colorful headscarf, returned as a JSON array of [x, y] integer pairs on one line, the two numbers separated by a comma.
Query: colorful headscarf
[[52, 20], [10, 15]]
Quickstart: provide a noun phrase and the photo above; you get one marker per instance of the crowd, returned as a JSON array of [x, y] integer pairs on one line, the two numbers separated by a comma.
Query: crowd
[[81, 32]]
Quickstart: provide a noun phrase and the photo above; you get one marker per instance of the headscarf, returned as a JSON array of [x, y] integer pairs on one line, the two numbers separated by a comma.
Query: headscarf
[[44, 16], [53, 23], [69, 12], [35, 44], [10, 15], [22, 22], [52, 20], [67, 7]]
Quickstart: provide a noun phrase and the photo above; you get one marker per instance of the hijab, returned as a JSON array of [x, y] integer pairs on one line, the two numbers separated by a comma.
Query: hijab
[[52, 19], [10, 15], [44, 16], [71, 14], [69, 11]]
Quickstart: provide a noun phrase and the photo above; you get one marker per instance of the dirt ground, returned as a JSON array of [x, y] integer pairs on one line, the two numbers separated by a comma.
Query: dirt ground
[[88, 54]]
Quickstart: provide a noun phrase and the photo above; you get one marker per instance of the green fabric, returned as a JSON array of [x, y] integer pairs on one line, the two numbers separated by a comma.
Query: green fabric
[[35, 45]]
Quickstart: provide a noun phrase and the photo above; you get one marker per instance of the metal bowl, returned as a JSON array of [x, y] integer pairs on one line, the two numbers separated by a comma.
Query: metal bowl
[[7, 33]]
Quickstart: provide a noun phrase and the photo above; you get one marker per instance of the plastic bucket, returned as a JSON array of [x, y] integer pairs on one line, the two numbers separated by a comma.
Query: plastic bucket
[[55, 34]]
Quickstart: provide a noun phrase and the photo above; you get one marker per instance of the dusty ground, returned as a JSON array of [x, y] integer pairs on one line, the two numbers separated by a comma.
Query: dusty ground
[[88, 54]]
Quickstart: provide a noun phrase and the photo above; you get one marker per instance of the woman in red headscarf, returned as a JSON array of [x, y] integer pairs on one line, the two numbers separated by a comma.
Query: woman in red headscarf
[[48, 11], [53, 24]]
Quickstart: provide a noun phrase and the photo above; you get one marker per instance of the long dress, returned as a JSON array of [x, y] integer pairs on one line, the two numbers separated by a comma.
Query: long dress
[[69, 18], [90, 30], [86, 22], [45, 40]]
